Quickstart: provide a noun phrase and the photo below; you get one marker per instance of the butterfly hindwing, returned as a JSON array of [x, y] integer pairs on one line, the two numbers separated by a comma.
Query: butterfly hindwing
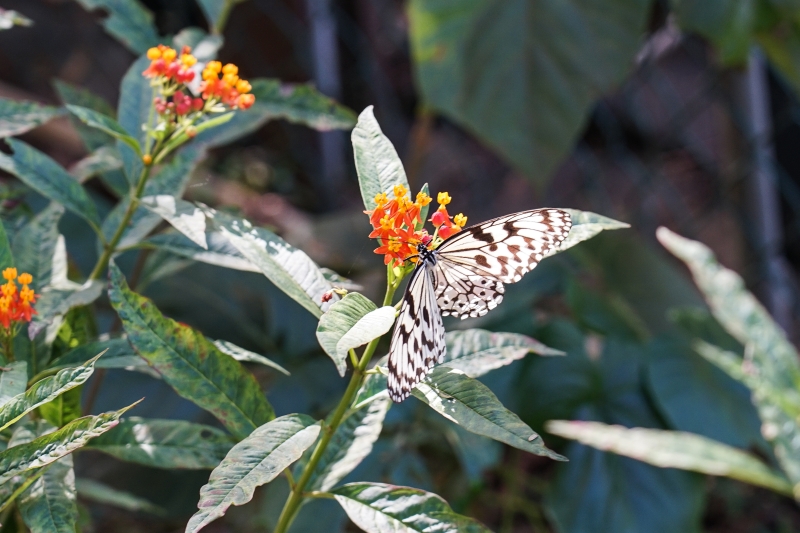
[[418, 339]]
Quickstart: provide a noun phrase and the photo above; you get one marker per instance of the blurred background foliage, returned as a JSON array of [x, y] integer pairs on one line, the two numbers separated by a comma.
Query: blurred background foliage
[[681, 113]]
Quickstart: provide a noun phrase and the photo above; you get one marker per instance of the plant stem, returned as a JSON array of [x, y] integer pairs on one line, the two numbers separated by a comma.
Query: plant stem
[[296, 495]]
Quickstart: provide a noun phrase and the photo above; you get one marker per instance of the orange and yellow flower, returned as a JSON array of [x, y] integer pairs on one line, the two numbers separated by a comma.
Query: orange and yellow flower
[[16, 305]]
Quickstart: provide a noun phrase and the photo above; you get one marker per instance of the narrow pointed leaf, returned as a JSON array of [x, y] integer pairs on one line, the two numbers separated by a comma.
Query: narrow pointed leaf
[[49, 504], [470, 404], [71, 94], [115, 353], [220, 251], [165, 443], [381, 508], [17, 117], [673, 449], [477, 351], [49, 448], [255, 461], [246, 356], [101, 493], [35, 244], [586, 225], [13, 379], [128, 21], [48, 178], [190, 363], [340, 318], [378, 166], [351, 443], [44, 391], [105, 124]]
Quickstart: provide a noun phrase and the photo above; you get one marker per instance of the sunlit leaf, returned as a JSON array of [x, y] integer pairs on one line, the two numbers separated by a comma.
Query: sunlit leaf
[[477, 351], [381, 508], [35, 244], [44, 391], [470, 404], [246, 356], [105, 124], [55, 302], [165, 443], [48, 178], [378, 166], [186, 217], [102, 493], [340, 318], [63, 409], [128, 21], [673, 449], [301, 104], [220, 251], [49, 504], [255, 461], [49, 448], [17, 117], [13, 380], [586, 225], [190, 363]]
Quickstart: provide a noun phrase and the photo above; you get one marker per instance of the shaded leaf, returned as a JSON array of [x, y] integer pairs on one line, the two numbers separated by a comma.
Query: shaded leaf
[[340, 318], [477, 351], [45, 176], [71, 94], [35, 244], [63, 409], [378, 508], [586, 225], [6, 258], [13, 380], [102, 493], [17, 117], [470, 404], [103, 160], [49, 504], [49, 448], [116, 353], [255, 461], [44, 391], [105, 124], [133, 111], [165, 443], [219, 251], [128, 21], [246, 356], [378, 166], [190, 363], [301, 104], [673, 449], [216, 12]]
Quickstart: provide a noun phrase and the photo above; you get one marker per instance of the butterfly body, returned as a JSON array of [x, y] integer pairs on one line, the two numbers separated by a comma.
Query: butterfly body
[[465, 277]]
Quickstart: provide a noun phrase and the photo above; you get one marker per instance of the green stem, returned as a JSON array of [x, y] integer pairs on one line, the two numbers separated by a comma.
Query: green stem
[[296, 496]]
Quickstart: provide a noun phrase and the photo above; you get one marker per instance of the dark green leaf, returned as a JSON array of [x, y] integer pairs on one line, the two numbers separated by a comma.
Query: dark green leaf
[[6, 258], [378, 166], [35, 245], [216, 12], [522, 76], [133, 112], [165, 443], [255, 461], [301, 104], [116, 353], [477, 351], [49, 504], [105, 162], [101, 493], [380, 508], [220, 252], [190, 363], [586, 225], [727, 24], [470, 404], [13, 380], [105, 124], [47, 177], [128, 21], [49, 448], [246, 356], [17, 117]]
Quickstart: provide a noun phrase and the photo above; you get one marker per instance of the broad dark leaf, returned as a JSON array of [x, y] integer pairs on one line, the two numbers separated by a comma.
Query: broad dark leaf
[[17, 117]]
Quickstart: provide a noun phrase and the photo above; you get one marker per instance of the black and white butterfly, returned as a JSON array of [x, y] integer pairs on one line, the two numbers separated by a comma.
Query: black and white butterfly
[[464, 277]]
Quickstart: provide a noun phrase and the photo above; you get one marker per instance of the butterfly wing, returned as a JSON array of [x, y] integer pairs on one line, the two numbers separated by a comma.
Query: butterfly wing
[[474, 263], [418, 339]]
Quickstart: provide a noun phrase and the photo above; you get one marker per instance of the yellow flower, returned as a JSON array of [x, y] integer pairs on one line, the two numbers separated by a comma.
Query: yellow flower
[[460, 220], [381, 199], [230, 68], [400, 190], [153, 54], [169, 55], [25, 278], [394, 246], [10, 273], [423, 199], [443, 198]]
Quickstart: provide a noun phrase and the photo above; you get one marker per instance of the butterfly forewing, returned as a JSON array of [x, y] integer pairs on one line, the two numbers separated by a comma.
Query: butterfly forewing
[[418, 339]]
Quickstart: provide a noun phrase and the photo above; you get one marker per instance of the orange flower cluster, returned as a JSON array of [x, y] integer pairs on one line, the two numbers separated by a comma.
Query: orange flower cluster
[[229, 88], [395, 224], [164, 62], [441, 220], [16, 305]]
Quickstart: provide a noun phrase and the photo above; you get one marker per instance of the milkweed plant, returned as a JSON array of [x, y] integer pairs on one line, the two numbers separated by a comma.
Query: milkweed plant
[[174, 106]]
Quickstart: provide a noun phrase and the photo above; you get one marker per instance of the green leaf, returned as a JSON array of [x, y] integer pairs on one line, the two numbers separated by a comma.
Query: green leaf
[[470, 404], [340, 318], [105, 124], [351, 443], [378, 166], [55, 302], [184, 216], [586, 225], [220, 252], [190, 363], [502, 70], [128, 21], [246, 356], [13, 380], [255, 461], [477, 351], [378, 508], [70, 94], [49, 504], [6, 258], [17, 117], [63, 409], [106, 163], [45, 176], [673, 449], [102, 493], [133, 112], [10, 18], [44, 391], [300, 104], [165, 443], [728, 25], [49, 448], [35, 244], [216, 12], [116, 353]]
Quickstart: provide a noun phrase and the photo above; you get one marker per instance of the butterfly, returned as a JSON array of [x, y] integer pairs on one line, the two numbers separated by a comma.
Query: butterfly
[[464, 277]]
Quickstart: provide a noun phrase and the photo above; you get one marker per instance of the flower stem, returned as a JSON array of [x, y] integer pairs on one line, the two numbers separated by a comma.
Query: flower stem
[[296, 495]]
